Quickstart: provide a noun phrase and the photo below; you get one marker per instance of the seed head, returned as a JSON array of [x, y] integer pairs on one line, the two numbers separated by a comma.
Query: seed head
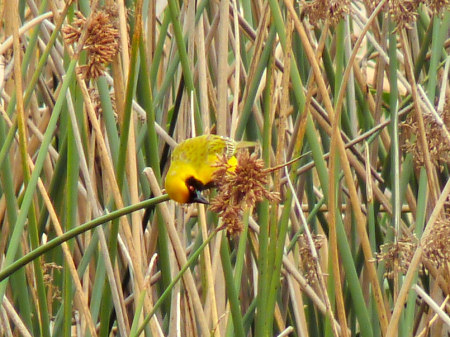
[[397, 256], [320, 10], [437, 141], [102, 41], [437, 244], [308, 264], [404, 12], [438, 7], [240, 189]]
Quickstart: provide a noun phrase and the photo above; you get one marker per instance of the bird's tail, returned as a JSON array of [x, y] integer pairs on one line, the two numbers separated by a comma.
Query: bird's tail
[[232, 146], [243, 144]]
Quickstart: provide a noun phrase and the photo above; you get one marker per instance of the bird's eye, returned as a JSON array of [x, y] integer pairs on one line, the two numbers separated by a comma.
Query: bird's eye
[[194, 187], [194, 184]]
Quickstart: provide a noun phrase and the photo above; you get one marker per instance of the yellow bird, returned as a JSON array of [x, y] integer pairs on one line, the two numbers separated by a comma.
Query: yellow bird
[[192, 166]]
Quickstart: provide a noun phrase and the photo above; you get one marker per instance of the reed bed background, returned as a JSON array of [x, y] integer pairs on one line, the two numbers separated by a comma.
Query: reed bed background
[[94, 94]]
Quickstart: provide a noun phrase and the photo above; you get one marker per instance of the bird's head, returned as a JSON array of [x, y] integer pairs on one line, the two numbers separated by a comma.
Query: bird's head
[[182, 186]]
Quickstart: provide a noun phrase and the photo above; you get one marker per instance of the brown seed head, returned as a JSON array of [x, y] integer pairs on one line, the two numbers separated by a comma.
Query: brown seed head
[[320, 10], [102, 41], [404, 12], [436, 245], [240, 188], [397, 256], [308, 265], [437, 141], [438, 7]]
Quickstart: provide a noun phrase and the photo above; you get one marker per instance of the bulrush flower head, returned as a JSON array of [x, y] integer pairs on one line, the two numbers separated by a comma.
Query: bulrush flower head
[[240, 188], [437, 244], [102, 41]]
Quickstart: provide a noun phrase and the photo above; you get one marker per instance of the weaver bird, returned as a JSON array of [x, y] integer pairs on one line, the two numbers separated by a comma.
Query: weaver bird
[[193, 165]]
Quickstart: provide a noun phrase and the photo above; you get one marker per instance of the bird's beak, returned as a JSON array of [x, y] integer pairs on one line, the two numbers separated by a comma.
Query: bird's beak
[[200, 198]]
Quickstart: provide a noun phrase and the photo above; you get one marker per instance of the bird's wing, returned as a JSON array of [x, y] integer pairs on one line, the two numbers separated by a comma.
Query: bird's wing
[[218, 145]]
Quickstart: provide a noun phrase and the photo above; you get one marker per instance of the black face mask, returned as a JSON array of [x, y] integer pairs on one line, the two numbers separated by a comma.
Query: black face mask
[[195, 187]]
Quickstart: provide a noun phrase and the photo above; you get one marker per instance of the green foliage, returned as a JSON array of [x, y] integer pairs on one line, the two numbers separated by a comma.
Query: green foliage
[[357, 92]]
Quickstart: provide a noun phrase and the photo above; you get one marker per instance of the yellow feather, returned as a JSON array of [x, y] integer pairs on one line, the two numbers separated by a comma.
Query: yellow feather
[[193, 165]]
